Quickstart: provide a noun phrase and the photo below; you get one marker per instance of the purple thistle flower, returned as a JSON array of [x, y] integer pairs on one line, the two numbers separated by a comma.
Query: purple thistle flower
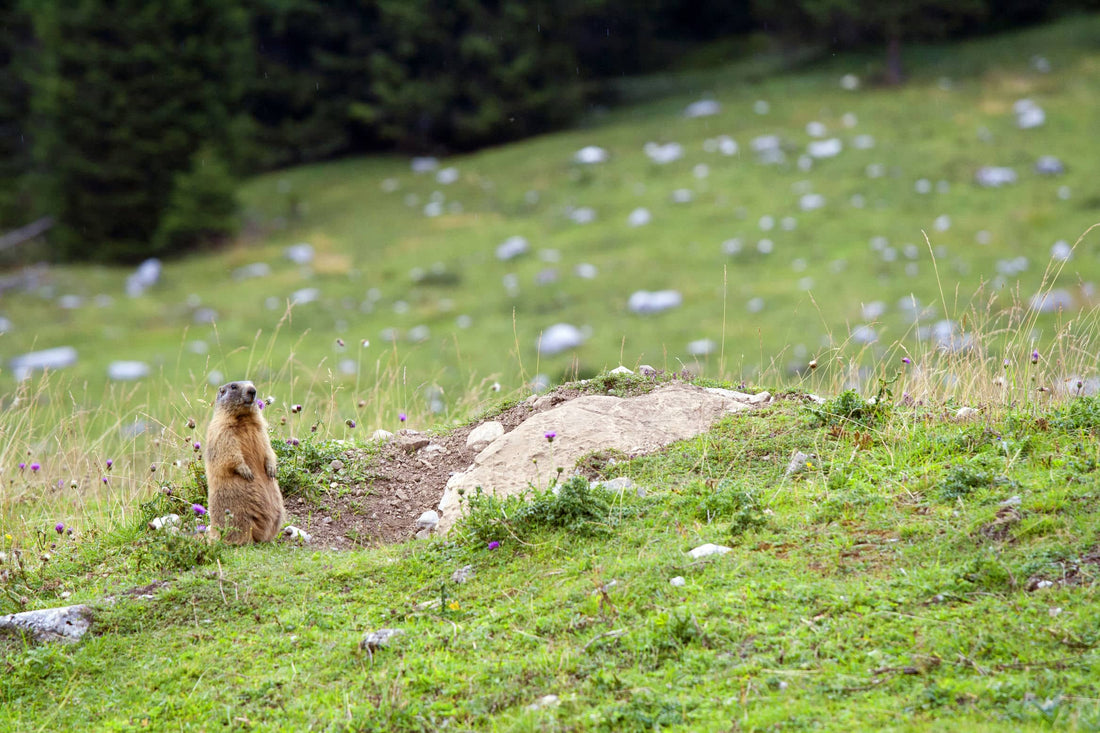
[[198, 509], [1035, 356], [350, 423], [110, 464], [59, 527], [22, 465], [200, 528], [906, 360], [197, 445], [550, 436], [259, 404], [35, 466], [104, 479], [1006, 363], [402, 416], [494, 545]]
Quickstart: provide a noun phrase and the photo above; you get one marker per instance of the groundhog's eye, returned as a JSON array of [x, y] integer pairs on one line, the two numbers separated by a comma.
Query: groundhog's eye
[[221, 391], [234, 386]]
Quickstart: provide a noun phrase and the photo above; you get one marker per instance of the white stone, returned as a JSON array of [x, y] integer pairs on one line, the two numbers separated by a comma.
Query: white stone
[[849, 82], [582, 215], [590, 154], [512, 247], [485, 433], [546, 701], [299, 254], [811, 202], [144, 277], [374, 640], [254, 270], [381, 434], [447, 176], [66, 624], [429, 520], [305, 295], [558, 338], [294, 533], [645, 302], [168, 520], [709, 549], [965, 414], [620, 370], [702, 108], [639, 217], [992, 176], [56, 358], [825, 148], [702, 347], [423, 164], [677, 582], [121, 371], [816, 129], [662, 154]]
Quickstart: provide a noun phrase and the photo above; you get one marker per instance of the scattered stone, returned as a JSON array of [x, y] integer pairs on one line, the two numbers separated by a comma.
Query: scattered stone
[[662, 154], [709, 549], [463, 574], [168, 520], [1048, 165], [485, 433], [558, 338], [702, 347], [582, 215], [992, 176], [429, 520], [336, 465], [620, 483], [546, 701], [305, 295], [590, 154], [254, 270], [375, 640], [798, 462], [299, 254], [424, 164], [512, 247], [966, 414], [702, 108], [447, 176], [294, 533], [825, 148], [816, 129], [1052, 301], [811, 202], [1029, 115], [849, 82], [620, 370], [122, 371], [66, 624], [677, 582], [646, 302], [56, 358], [1012, 501], [413, 443], [639, 217], [144, 277]]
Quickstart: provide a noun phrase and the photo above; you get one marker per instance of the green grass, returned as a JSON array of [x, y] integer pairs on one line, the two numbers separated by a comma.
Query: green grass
[[862, 594]]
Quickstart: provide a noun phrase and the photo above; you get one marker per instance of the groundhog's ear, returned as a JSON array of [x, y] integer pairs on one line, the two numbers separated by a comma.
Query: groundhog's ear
[[221, 391]]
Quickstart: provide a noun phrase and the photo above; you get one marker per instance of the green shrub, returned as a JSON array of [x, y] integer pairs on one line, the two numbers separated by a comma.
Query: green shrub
[[202, 208]]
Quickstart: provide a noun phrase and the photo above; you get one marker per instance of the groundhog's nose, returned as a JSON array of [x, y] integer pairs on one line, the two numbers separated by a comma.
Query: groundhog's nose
[[251, 392]]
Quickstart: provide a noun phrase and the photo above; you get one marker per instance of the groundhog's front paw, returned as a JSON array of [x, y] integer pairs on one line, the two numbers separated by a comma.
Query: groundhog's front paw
[[245, 471], [270, 468]]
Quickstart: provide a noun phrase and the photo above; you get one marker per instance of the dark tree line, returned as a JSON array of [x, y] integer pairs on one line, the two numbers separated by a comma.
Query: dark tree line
[[128, 120]]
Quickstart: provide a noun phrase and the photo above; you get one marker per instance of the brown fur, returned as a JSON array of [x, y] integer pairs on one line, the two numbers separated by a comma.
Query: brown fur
[[244, 498]]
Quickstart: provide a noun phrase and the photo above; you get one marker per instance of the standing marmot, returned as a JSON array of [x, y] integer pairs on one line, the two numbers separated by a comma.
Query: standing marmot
[[245, 501]]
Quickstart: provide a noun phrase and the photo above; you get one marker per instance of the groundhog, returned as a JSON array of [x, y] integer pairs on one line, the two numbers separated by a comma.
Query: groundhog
[[244, 500]]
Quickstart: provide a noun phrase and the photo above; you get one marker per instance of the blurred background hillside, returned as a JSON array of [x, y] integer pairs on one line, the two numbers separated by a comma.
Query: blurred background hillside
[[126, 125]]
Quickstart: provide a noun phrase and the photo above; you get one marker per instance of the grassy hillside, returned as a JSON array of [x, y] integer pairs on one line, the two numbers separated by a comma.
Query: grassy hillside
[[920, 573]]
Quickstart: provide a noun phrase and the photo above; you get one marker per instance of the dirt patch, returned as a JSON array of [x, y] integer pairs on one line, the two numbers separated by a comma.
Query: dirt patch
[[378, 496]]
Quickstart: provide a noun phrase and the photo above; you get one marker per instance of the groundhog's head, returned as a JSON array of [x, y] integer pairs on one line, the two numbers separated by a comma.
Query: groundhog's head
[[237, 396]]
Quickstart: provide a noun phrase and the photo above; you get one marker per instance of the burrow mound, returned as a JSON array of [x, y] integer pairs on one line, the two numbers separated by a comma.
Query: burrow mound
[[375, 494]]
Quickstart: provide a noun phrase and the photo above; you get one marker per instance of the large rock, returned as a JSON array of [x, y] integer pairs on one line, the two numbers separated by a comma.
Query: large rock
[[65, 624], [635, 425]]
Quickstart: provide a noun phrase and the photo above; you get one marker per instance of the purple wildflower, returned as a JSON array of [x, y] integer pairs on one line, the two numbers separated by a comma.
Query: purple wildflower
[[197, 446], [35, 466], [110, 463], [259, 404], [22, 465], [198, 509], [550, 436], [494, 545], [402, 416], [1035, 356], [200, 528], [906, 360], [60, 527], [350, 423]]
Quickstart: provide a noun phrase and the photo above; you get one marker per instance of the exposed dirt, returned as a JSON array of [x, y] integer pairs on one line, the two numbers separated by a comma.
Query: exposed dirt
[[377, 498]]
